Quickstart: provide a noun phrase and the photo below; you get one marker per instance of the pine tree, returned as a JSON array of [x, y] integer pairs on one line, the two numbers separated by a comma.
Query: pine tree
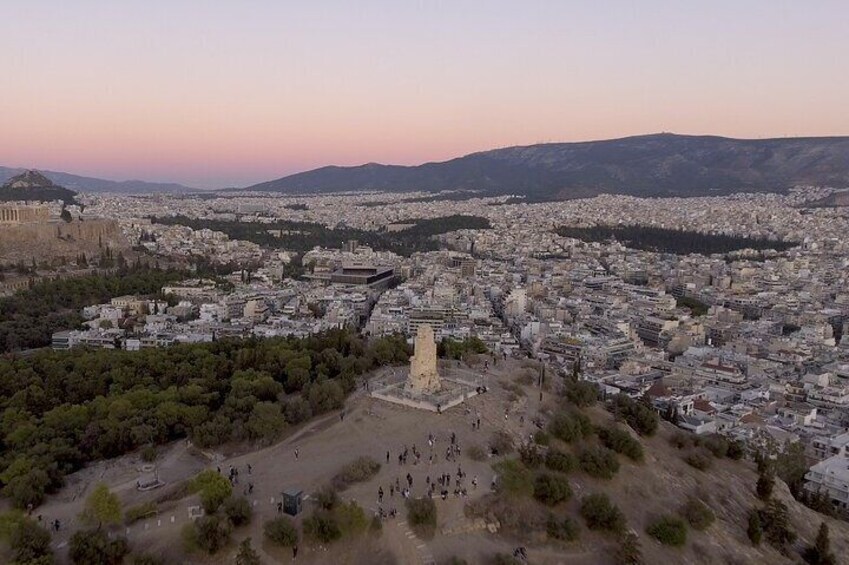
[[754, 530], [766, 482], [820, 553]]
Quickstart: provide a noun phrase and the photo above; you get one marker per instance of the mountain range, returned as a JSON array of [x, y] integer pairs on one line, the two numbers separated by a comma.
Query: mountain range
[[648, 165], [89, 184]]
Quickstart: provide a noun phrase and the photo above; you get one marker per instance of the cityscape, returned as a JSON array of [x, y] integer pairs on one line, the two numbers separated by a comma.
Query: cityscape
[[622, 351]]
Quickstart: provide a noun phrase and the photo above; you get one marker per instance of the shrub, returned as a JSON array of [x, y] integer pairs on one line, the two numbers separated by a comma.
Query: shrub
[[699, 459], [717, 445], [560, 461], [669, 530], [582, 393], [282, 531], [531, 456], [322, 527], [211, 533], [147, 559], [514, 478], [139, 512], [736, 451], [238, 510], [564, 529], [552, 489], [501, 443], [148, 453], [698, 514], [621, 441], [421, 514], [351, 518], [29, 542], [358, 471], [570, 426], [601, 514], [598, 462], [628, 551], [638, 415], [327, 498], [681, 440], [541, 437], [92, 546], [476, 453]]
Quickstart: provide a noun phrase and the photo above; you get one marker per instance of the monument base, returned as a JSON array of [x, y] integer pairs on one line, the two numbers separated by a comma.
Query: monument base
[[452, 392]]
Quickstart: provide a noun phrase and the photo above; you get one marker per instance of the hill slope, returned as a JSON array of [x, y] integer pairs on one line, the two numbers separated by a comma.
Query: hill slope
[[89, 184], [650, 165]]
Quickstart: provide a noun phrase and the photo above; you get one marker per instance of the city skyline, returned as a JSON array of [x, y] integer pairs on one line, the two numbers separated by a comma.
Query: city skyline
[[228, 96]]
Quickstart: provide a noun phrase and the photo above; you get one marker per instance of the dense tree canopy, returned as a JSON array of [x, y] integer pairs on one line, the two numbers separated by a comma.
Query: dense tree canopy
[[59, 410], [29, 317], [303, 236], [679, 242]]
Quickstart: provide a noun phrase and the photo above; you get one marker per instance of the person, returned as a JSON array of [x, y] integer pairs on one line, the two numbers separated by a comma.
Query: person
[[250, 469], [380, 495], [295, 551], [297, 453], [387, 456]]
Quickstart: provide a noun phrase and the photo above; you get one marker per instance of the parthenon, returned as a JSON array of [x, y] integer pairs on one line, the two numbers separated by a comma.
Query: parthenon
[[23, 214]]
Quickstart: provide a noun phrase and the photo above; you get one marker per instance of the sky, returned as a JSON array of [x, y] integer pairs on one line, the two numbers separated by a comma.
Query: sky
[[216, 93]]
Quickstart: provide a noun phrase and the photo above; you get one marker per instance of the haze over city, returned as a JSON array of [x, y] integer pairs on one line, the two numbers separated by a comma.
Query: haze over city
[[229, 94]]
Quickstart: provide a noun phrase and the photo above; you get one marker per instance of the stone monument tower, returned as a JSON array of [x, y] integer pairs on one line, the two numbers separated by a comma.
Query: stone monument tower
[[423, 375]]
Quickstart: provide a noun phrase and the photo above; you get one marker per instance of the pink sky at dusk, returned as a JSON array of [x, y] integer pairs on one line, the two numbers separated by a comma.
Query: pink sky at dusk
[[216, 94]]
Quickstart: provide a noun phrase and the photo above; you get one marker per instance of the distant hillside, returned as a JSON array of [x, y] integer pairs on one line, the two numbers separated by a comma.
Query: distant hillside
[[32, 185], [88, 184], [650, 165]]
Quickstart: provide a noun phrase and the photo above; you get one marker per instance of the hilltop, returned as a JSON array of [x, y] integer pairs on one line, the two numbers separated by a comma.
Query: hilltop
[[648, 165], [89, 184], [34, 186]]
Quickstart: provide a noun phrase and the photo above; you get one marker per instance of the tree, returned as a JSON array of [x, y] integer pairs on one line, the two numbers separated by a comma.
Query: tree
[[282, 531], [754, 529], [213, 489], [102, 507], [93, 546], [247, 555], [30, 543], [820, 553], [765, 485], [776, 525]]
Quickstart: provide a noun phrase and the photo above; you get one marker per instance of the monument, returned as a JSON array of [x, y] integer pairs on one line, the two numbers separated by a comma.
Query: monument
[[424, 378], [422, 386]]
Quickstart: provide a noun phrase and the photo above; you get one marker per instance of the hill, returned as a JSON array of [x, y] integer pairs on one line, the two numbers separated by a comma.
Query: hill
[[89, 184], [649, 165], [32, 185]]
